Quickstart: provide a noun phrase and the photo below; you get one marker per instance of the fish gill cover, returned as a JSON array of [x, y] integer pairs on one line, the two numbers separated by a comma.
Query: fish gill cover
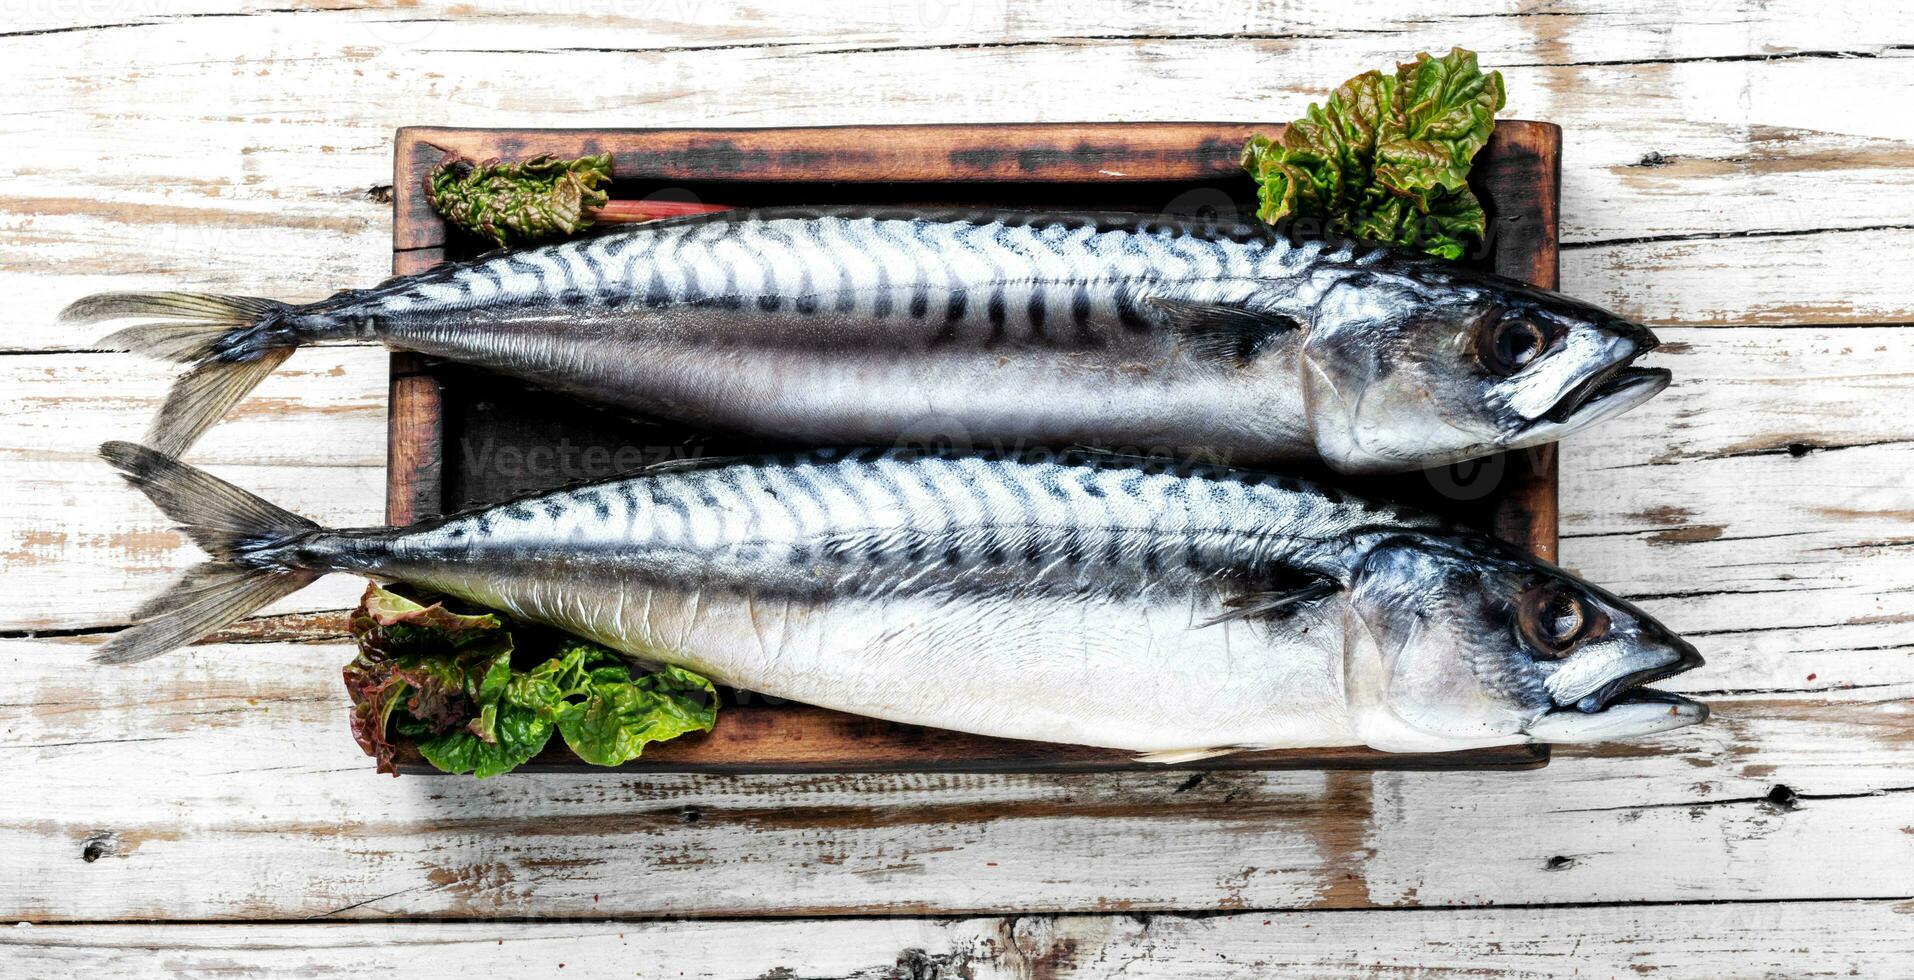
[[1386, 157], [481, 694]]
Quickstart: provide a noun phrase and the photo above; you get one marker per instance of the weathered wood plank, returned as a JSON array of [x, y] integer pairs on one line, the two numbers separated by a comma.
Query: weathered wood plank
[[236, 179], [80, 547], [1796, 939], [229, 766], [1774, 528], [1706, 281], [1579, 33]]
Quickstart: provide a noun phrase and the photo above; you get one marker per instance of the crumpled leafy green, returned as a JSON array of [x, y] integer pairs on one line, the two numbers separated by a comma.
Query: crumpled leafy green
[[1386, 157], [516, 204], [454, 683], [617, 719]]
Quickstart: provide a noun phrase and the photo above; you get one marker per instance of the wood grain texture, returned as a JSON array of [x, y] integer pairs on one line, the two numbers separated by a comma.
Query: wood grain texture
[[415, 443], [80, 549], [1703, 941], [1732, 171]]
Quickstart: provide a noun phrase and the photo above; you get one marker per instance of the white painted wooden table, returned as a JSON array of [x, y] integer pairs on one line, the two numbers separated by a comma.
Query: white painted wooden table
[[1740, 175]]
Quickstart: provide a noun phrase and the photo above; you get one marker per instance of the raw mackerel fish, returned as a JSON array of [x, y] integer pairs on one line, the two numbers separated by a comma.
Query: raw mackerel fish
[[1171, 610], [999, 329]]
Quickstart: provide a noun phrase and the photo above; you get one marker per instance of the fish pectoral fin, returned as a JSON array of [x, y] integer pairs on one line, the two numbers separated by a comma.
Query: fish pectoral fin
[[1234, 333], [1253, 604], [1170, 757]]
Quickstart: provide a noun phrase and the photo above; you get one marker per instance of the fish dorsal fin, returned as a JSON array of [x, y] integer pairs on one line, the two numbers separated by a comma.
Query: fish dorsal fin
[[1250, 605], [1234, 333]]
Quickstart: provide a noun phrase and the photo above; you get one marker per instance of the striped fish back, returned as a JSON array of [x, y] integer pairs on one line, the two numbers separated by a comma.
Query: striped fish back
[[879, 518], [1026, 277]]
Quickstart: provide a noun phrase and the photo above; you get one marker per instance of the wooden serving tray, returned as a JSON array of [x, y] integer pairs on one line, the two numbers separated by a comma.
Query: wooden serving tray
[[459, 437]]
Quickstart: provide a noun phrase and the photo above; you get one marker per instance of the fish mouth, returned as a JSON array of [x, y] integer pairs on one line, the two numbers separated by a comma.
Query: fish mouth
[[1630, 688], [1626, 707], [1648, 695], [1609, 392]]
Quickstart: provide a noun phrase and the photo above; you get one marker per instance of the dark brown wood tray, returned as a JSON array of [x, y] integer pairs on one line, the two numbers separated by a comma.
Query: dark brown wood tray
[[448, 424]]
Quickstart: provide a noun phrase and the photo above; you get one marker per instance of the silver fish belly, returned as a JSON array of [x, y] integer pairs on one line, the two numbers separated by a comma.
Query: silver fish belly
[[1027, 600]]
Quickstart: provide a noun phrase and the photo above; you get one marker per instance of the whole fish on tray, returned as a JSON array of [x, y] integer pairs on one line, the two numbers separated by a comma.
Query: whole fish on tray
[[1171, 610], [851, 327]]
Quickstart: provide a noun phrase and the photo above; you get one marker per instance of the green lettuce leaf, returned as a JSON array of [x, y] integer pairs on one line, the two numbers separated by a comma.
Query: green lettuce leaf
[[618, 717], [1386, 157], [504, 737], [479, 694], [516, 204]]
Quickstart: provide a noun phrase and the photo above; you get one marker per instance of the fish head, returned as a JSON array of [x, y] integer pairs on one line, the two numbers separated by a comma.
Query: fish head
[[1455, 642], [1405, 371]]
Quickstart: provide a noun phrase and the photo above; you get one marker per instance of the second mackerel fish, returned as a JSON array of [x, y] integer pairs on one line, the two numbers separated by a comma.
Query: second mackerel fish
[[1171, 610]]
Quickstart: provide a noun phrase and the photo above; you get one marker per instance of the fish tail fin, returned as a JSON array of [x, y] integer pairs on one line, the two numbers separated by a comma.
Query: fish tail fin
[[233, 342], [245, 535]]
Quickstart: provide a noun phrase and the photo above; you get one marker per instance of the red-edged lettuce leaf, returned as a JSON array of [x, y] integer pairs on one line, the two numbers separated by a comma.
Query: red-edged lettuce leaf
[[457, 683], [420, 660]]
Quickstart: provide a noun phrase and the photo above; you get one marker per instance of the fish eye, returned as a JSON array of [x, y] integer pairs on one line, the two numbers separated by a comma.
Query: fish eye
[[1512, 343], [1554, 621]]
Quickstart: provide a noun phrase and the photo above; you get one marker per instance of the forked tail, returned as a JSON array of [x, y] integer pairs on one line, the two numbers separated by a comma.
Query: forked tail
[[233, 342], [245, 535]]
